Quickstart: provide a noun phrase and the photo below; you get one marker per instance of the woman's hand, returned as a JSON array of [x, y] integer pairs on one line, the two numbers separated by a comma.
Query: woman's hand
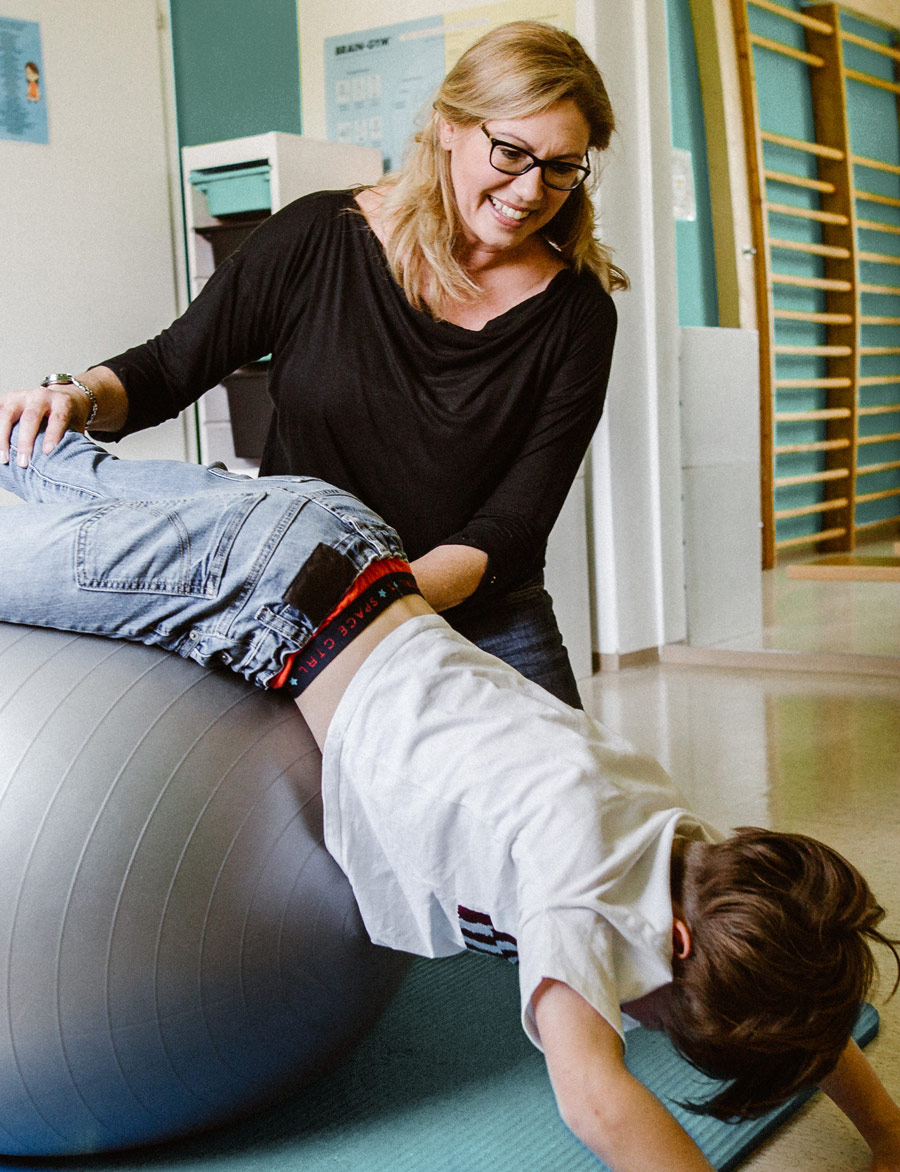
[[59, 408], [64, 408]]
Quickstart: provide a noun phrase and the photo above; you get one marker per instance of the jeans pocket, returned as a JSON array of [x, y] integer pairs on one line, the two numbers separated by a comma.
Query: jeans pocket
[[176, 546]]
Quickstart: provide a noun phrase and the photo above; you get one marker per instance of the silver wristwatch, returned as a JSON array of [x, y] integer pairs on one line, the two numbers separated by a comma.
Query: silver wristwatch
[[65, 379]]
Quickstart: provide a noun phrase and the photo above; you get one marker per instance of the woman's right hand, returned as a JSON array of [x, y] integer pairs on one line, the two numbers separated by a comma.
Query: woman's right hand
[[62, 406]]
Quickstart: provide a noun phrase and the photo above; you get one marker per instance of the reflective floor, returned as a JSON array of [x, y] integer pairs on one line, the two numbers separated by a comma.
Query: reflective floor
[[847, 618], [817, 752]]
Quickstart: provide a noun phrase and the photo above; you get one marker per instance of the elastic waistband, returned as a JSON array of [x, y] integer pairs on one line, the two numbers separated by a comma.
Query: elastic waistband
[[379, 585]]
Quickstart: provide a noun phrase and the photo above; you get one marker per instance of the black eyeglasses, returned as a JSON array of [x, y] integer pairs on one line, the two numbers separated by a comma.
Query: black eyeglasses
[[515, 160]]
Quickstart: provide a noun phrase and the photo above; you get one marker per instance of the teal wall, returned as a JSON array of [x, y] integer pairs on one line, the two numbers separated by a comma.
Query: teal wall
[[697, 295], [237, 68]]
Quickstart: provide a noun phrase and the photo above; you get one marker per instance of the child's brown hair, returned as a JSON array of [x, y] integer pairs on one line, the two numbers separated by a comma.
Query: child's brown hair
[[780, 960]]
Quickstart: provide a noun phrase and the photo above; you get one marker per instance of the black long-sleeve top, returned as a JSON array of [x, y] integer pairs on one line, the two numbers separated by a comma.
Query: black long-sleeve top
[[455, 436]]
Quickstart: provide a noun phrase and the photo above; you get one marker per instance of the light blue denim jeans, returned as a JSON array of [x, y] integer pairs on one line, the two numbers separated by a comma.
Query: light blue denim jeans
[[197, 560]]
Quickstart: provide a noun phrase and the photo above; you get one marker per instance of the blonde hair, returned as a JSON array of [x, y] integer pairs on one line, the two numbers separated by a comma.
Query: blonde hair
[[514, 71]]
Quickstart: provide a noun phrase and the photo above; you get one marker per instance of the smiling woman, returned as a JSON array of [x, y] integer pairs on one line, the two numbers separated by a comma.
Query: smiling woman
[[535, 87], [440, 342], [503, 209]]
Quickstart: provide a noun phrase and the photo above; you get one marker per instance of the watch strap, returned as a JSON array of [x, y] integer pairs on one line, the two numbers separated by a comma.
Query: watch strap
[[65, 379]]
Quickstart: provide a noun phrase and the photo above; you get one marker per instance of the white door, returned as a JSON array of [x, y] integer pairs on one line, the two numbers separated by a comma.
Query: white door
[[87, 248]]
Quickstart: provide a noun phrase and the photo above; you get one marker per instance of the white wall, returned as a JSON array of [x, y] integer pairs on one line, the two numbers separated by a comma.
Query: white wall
[[87, 254], [636, 458], [721, 466]]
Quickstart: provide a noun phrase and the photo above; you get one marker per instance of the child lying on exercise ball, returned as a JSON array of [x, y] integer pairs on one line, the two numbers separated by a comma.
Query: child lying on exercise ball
[[468, 807]]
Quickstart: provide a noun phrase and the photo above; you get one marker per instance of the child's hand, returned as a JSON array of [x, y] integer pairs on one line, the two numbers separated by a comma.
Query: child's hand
[[603, 1104], [856, 1089], [886, 1153]]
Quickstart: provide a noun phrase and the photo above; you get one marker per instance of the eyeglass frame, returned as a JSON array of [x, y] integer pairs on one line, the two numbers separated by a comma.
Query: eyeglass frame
[[585, 168]]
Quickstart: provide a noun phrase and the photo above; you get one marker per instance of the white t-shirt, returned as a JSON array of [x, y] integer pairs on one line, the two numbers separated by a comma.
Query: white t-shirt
[[470, 808]]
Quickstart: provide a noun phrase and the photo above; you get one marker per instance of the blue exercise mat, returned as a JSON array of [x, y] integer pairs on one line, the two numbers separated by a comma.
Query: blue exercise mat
[[447, 1082]]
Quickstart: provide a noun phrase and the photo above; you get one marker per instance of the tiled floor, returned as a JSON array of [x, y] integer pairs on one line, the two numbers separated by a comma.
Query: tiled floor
[[814, 751]]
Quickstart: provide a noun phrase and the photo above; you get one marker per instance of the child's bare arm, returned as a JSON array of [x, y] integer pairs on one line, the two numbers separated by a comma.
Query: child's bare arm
[[858, 1091], [599, 1099]]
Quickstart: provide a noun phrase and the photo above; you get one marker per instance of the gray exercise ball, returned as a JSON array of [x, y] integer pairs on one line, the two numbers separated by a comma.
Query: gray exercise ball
[[178, 946]]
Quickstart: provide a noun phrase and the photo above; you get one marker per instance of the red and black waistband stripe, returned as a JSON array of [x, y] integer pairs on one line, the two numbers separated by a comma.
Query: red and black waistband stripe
[[480, 935], [371, 594]]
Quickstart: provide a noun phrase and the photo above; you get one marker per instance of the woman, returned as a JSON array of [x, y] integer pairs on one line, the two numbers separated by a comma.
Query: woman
[[440, 343]]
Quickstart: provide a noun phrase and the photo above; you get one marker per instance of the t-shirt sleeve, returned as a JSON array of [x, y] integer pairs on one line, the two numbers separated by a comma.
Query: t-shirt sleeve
[[513, 523], [572, 945], [234, 320]]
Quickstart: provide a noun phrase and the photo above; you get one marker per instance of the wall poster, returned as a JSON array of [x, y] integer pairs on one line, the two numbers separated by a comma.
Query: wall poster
[[23, 97], [378, 80]]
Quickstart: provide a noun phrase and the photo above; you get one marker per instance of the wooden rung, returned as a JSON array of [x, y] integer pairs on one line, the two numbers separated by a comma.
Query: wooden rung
[[816, 351], [878, 226], [847, 568], [834, 250], [814, 416], [800, 181], [840, 502], [829, 283], [875, 164], [871, 79], [888, 437], [885, 466], [880, 409], [891, 290], [811, 478], [820, 446], [830, 319], [800, 144], [875, 320], [810, 539], [786, 50], [796, 383], [875, 46], [879, 350], [879, 524], [875, 197], [879, 258], [797, 17], [787, 209], [864, 498], [879, 380]]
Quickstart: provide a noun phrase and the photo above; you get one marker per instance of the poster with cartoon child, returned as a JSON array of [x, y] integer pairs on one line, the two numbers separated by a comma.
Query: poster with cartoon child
[[23, 102]]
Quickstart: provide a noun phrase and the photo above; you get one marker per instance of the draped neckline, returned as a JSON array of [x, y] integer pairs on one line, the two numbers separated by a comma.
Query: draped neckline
[[495, 324]]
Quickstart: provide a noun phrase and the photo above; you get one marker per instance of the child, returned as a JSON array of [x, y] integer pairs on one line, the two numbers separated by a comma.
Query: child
[[468, 807]]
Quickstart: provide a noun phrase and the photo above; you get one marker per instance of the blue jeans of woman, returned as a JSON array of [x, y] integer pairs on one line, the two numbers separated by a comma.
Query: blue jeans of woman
[[197, 560], [521, 629]]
